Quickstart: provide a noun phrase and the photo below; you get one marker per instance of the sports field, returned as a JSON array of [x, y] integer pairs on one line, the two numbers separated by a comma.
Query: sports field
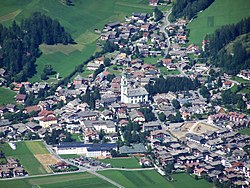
[[26, 152], [6, 96], [58, 181], [80, 20], [130, 162], [150, 179], [221, 12]]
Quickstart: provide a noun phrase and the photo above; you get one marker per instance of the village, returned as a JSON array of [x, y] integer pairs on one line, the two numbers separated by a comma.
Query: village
[[118, 111]]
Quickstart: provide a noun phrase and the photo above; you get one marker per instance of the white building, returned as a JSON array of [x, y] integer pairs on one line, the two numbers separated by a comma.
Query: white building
[[89, 150], [132, 95]]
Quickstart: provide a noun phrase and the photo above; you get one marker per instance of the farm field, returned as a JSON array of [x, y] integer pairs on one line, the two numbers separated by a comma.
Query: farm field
[[217, 15], [245, 131], [69, 156], [130, 162], [81, 25], [151, 178], [26, 153], [56, 181], [7, 96]]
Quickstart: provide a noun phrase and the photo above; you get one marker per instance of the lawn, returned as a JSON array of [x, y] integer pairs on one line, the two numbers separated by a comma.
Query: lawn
[[54, 181], [151, 60], [80, 20], [24, 153], [69, 156], [165, 71], [76, 137], [6, 96], [221, 12], [245, 131], [240, 80], [151, 178], [130, 162]]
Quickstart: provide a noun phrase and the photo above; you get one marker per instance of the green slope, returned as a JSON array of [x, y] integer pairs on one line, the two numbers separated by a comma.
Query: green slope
[[221, 12]]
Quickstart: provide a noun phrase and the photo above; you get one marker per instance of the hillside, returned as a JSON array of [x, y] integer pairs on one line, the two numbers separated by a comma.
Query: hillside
[[88, 15], [221, 12]]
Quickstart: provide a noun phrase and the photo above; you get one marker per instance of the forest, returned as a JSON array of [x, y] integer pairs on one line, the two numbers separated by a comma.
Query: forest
[[20, 44], [238, 59], [164, 85], [189, 8]]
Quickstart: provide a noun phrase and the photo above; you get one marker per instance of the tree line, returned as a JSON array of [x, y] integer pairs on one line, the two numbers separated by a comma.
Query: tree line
[[20, 44], [189, 8], [238, 59], [164, 85]]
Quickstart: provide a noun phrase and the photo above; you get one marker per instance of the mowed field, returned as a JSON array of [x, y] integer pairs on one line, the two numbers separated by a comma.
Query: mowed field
[[221, 12], [245, 131], [80, 20], [6, 96], [28, 154], [57, 181], [130, 162], [150, 179]]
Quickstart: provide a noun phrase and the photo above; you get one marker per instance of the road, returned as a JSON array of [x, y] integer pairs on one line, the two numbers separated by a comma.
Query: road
[[163, 29]]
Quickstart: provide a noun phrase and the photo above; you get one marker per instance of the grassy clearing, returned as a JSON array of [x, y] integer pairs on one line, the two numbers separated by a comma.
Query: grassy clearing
[[69, 156], [151, 60], [245, 131], [25, 156], [130, 162], [57, 181], [221, 12], [165, 71], [76, 137], [151, 178], [7, 96], [80, 20], [240, 80], [138, 179], [36, 147]]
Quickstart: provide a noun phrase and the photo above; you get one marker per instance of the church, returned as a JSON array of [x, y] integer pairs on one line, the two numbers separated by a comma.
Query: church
[[132, 95]]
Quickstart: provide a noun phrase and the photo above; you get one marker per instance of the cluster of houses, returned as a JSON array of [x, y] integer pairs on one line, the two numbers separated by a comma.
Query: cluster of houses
[[12, 169], [218, 154]]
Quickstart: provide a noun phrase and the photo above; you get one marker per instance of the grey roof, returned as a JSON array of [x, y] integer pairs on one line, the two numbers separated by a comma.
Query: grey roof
[[78, 77], [89, 124], [137, 92], [90, 147], [136, 148]]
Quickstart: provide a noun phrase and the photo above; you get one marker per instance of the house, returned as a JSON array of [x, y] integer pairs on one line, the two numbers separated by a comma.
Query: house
[[195, 138], [45, 122], [30, 109], [20, 98], [107, 126], [153, 2], [134, 149], [78, 80], [137, 116], [227, 84], [151, 126]]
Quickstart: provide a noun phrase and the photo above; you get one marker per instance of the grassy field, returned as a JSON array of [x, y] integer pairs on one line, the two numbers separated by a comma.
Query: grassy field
[[25, 154], [69, 156], [151, 178], [245, 131], [7, 96], [58, 181], [80, 20], [240, 80], [221, 12], [130, 162]]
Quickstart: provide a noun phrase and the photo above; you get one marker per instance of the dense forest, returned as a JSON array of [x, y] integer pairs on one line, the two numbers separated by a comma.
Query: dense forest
[[164, 85], [238, 59], [19, 44], [189, 8]]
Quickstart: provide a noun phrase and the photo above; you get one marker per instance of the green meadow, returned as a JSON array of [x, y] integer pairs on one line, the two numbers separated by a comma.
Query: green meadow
[[25, 152], [80, 20], [57, 181], [130, 162], [7, 96], [151, 178], [219, 13]]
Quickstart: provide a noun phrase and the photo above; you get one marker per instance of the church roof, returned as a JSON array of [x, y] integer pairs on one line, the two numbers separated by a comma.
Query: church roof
[[137, 92]]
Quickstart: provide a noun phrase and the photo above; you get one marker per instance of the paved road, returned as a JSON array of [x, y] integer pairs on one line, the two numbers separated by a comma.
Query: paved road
[[163, 29]]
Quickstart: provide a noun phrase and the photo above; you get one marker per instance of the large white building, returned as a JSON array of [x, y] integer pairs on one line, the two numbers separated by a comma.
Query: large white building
[[89, 150], [132, 95]]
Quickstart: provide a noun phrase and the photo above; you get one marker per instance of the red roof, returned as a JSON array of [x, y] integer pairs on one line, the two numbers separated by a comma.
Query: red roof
[[20, 97], [32, 108], [45, 113], [48, 119]]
